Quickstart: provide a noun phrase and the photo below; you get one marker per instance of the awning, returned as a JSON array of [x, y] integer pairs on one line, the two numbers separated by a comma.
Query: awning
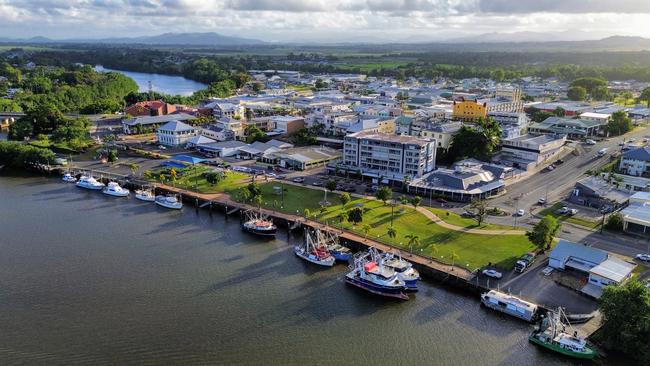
[[187, 159]]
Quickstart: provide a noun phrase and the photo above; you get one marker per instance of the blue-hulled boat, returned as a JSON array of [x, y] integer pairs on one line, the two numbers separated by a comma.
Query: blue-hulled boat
[[403, 268], [376, 278]]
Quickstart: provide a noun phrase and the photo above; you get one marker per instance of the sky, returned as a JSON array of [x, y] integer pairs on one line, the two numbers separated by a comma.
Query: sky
[[326, 20]]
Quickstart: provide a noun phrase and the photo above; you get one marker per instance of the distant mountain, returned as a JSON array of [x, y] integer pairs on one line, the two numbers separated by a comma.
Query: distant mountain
[[498, 37], [185, 39]]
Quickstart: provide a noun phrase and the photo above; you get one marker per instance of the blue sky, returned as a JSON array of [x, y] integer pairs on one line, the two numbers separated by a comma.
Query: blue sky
[[325, 20]]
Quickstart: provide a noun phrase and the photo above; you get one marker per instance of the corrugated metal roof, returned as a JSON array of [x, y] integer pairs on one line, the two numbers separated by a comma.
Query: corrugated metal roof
[[614, 269], [566, 249]]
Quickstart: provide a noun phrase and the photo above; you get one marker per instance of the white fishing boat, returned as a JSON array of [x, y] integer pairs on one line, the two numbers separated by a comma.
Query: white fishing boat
[[375, 278], [115, 190], [145, 195], [313, 250], [88, 182], [510, 305], [69, 178], [403, 268], [171, 202]]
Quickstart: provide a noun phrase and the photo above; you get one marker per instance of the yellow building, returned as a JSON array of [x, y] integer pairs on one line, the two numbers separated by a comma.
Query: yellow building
[[469, 110]]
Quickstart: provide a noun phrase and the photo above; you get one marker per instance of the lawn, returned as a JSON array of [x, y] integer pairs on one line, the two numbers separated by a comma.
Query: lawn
[[192, 179], [469, 250], [567, 218], [466, 222]]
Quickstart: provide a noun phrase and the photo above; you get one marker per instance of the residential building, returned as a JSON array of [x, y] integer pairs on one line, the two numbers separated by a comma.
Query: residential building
[[217, 133], [513, 124], [175, 133], [388, 157], [573, 128], [636, 162], [226, 110], [234, 125], [442, 132], [529, 151]]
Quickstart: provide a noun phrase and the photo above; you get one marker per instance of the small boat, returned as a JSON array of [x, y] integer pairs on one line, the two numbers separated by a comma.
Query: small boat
[[145, 195], [402, 267], [551, 334], [313, 250], [339, 252], [115, 190], [88, 182], [170, 201], [259, 224], [510, 305], [376, 278], [69, 178]]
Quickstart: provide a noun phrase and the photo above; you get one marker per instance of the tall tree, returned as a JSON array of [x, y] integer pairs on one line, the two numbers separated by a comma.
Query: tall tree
[[384, 194], [543, 233], [479, 209]]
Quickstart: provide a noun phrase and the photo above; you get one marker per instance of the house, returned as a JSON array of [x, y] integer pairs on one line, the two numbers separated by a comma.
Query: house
[[636, 162], [144, 123], [226, 110], [233, 125], [442, 132], [573, 128], [529, 151], [385, 157], [467, 181], [175, 133], [150, 108], [217, 133]]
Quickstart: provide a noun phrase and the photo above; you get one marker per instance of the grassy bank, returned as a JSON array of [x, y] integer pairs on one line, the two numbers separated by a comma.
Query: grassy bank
[[193, 179], [467, 250], [465, 222]]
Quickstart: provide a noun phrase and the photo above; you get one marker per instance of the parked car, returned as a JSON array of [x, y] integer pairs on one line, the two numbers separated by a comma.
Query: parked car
[[590, 142], [492, 273], [631, 140], [271, 175], [317, 183], [562, 211], [541, 201], [559, 161], [547, 271], [161, 147], [298, 179], [643, 257], [572, 211], [550, 168], [467, 214], [520, 212]]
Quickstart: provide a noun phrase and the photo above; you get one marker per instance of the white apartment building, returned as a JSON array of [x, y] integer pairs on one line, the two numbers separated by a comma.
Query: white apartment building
[[388, 157], [175, 133]]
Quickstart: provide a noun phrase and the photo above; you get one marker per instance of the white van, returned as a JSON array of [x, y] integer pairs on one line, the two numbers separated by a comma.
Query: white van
[[602, 152]]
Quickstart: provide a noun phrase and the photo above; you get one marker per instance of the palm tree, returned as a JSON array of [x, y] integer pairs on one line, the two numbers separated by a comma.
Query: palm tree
[[257, 199], [453, 257], [392, 233], [343, 217], [413, 240], [134, 168], [306, 212], [366, 229]]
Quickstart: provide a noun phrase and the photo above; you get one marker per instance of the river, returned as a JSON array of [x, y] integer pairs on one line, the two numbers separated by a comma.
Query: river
[[166, 84], [89, 279]]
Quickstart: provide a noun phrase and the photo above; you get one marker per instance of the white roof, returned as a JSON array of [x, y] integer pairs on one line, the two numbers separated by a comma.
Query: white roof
[[176, 126], [614, 269]]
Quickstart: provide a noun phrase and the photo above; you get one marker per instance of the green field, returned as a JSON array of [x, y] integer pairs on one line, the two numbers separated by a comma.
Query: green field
[[192, 179], [566, 218], [469, 250], [465, 222]]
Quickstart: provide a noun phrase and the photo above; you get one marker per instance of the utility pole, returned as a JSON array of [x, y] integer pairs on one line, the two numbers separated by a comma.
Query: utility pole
[[516, 209], [602, 223]]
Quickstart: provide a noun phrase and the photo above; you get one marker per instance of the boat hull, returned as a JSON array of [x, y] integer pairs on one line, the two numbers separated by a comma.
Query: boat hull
[[588, 355], [411, 285], [116, 194], [92, 188], [341, 256], [267, 233], [171, 207], [396, 293], [329, 262], [145, 198]]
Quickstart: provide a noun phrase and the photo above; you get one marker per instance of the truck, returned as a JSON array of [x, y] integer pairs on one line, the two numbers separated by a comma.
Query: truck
[[524, 262]]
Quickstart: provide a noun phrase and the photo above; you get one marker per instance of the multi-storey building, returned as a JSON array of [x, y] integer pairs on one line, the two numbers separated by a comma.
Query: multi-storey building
[[388, 157]]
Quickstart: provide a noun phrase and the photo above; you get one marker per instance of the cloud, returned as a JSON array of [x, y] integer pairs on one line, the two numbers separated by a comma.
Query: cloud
[[564, 6], [277, 5]]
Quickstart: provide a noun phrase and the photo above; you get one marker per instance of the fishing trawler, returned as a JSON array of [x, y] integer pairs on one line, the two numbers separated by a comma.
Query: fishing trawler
[[331, 241], [551, 333], [258, 224], [510, 305], [375, 278], [403, 268], [313, 250]]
